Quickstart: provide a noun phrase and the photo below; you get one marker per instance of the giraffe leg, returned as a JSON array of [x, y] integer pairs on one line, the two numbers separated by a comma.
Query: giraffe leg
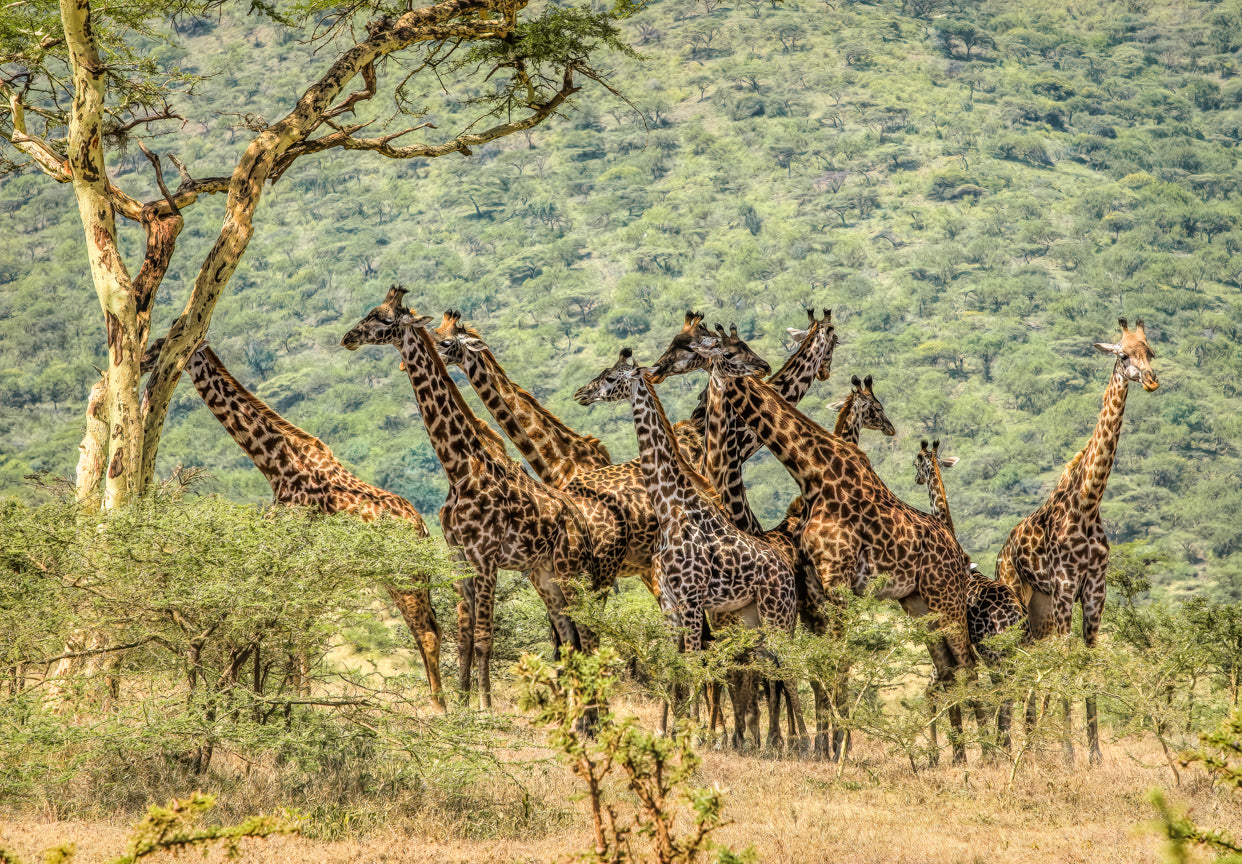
[[741, 687], [484, 610], [415, 607], [465, 635], [945, 658], [1093, 593], [823, 745], [564, 633]]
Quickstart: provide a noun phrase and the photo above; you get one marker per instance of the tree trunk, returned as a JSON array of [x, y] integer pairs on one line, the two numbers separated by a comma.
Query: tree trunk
[[119, 402]]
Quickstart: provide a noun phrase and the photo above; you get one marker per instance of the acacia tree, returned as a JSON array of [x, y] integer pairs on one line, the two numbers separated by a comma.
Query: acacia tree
[[73, 83]]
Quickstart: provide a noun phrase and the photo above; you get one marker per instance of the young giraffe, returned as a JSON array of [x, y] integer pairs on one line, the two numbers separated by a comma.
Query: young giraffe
[[1058, 555], [706, 565], [849, 511], [496, 516], [303, 472], [992, 607]]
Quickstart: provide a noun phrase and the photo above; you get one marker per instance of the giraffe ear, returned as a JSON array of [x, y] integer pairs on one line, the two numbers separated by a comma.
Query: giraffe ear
[[798, 335], [415, 320], [837, 406], [474, 343], [947, 462], [1108, 348]]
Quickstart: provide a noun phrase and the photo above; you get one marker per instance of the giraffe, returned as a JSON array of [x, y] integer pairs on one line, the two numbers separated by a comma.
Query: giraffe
[[496, 515], [860, 410], [1058, 555], [554, 451], [723, 470], [811, 360], [992, 607], [303, 472], [849, 510], [705, 564]]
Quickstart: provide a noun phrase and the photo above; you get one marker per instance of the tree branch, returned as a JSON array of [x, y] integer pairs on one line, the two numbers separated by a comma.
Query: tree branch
[[462, 143], [73, 655]]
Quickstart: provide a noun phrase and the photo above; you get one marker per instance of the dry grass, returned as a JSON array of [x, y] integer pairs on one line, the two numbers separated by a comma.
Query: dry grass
[[877, 810]]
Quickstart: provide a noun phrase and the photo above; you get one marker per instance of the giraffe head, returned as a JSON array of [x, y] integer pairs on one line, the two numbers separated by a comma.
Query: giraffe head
[[614, 384], [453, 339], [1133, 354], [923, 470], [818, 328], [680, 356], [867, 407], [722, 356], [383, 325]]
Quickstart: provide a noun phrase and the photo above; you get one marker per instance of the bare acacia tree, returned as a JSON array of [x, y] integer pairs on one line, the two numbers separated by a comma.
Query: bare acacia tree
[[72, 83]]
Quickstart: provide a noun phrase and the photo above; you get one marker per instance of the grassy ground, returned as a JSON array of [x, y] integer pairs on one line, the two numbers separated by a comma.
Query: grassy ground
[[876, 810]]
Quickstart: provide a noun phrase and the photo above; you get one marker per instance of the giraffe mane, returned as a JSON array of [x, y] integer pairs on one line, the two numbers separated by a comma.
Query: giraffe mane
[[280, 423]]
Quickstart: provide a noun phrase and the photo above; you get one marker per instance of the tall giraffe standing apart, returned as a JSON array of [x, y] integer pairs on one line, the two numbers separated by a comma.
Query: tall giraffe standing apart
[[992, 607], [303, 472], [705, 564], [1058, 555], [849, 511], [495, 516]]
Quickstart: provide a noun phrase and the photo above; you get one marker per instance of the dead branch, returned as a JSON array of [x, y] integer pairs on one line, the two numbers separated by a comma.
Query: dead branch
[[159, 179]]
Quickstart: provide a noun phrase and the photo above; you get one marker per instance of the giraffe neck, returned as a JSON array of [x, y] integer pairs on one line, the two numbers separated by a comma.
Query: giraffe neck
[[1101, 450], [849, 422], [555, 452], [794, 377], [791, 381], [300, 468], [939, 499], [720, 462], [274, 444], [672, 485], [495, 389], [799, 443], [451, 425]]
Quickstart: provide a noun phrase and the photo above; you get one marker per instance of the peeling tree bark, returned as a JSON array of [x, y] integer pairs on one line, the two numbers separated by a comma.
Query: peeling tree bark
[[112, 282]]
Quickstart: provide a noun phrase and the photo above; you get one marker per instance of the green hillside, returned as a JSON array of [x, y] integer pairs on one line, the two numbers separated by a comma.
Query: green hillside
[[977, 190]]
